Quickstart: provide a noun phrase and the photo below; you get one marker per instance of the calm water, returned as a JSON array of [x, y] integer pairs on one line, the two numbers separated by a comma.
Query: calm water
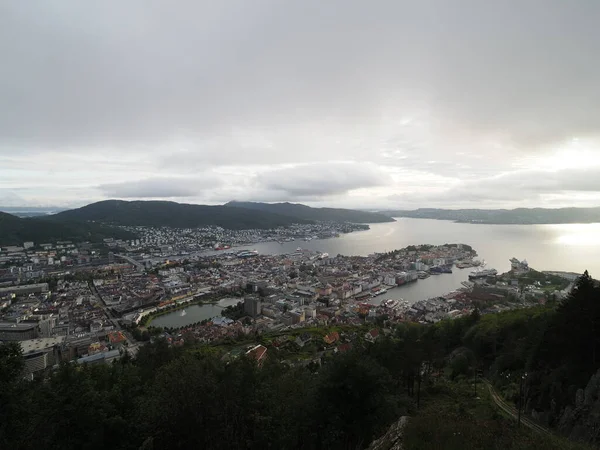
[[194, 313], [570, 248]]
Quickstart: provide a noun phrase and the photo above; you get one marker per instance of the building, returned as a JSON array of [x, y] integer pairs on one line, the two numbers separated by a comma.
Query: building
[[18, 331], [258, 353], [372, 335], [25, 289], [99, 358], [39, 354], [252, 306], [46, 326], [298, 315]]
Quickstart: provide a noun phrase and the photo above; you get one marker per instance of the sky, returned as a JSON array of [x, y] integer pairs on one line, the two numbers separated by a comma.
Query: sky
[[382, 104]]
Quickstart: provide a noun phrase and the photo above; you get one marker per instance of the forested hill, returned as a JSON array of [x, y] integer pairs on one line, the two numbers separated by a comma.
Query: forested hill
[[504, 216], [98, 220], [15, 230], [175, 215], [316, 214]]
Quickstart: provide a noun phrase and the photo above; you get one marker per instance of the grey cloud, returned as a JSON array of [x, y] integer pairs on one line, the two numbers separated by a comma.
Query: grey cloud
[[161, 187], [145, 71], [264, 85], [323, 179], [540, 181], [526, 187]]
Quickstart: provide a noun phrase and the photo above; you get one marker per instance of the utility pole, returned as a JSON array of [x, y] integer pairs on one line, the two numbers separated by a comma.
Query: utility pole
[[419, 388], [520, 398]]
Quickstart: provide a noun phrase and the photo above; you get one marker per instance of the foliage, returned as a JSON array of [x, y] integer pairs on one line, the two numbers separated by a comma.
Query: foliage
[[453, 419], [314, 214], [175, 215], [234, 312], [15, 230]]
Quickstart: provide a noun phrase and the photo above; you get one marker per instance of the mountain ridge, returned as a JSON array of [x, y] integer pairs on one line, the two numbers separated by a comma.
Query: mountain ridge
[[316, 214], [517, 216], [171, 214]]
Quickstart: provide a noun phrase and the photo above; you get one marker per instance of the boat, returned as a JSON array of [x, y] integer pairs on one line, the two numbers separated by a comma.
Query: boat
[[390, 303], [378, 291], [324, 255], [247, 254], [422, 275], [484, 273], [183, 312]]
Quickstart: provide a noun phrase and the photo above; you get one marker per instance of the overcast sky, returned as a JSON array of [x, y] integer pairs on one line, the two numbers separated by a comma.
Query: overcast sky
[[368, 104]]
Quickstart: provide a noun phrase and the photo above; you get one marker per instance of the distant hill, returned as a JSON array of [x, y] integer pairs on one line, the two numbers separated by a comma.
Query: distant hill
[[315, 214], [15, 230], [175, 215], [504, 216], [97, 220]]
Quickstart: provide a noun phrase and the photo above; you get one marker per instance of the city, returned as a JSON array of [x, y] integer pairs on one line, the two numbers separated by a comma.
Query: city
[[77, 302], [312, 225]]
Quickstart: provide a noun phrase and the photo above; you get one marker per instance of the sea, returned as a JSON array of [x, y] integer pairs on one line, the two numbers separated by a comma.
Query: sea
[[564, 247]]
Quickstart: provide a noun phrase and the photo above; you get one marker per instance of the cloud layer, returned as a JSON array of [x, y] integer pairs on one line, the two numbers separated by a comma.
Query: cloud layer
[[342, 102]]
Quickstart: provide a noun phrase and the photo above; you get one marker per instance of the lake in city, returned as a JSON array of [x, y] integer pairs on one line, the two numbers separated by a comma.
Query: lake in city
[[193, 314], [567, 247]]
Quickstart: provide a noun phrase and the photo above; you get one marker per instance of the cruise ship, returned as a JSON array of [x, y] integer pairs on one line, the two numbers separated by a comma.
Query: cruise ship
[[482, 273], [247, 254]]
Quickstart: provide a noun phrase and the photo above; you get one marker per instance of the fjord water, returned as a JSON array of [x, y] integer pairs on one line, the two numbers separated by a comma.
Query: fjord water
[[566, 247]]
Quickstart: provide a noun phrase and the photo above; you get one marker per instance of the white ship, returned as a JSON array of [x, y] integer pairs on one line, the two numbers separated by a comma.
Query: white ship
[[183, 312], [482, 273]]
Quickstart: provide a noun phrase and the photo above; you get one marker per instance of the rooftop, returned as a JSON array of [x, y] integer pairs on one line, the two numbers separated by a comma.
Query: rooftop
[[33, 345]]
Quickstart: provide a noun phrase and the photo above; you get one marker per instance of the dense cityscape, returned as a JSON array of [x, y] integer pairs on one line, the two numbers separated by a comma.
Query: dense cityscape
[[89, 303]]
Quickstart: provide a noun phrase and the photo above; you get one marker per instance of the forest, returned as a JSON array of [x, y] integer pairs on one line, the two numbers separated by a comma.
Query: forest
[[190, 397]]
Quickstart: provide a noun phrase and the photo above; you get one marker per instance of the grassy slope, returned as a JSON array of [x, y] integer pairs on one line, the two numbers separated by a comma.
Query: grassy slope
[[452, 418]]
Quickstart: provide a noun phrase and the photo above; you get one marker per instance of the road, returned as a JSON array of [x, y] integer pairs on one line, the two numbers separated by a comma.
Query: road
[[138, 265], [512, 411], [131, 344]]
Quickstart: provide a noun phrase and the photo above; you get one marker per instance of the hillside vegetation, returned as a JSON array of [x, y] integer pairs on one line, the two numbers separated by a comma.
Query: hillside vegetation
[[315, 214], [15, 230], [174, 215]]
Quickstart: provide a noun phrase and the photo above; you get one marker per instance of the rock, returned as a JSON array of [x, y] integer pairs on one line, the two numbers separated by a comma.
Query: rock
[[392, 439], [579, 398], [592, 390], [567, 420]]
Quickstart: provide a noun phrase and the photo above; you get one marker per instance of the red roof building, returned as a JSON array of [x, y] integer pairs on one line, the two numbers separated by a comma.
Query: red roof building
[[258, 353]]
